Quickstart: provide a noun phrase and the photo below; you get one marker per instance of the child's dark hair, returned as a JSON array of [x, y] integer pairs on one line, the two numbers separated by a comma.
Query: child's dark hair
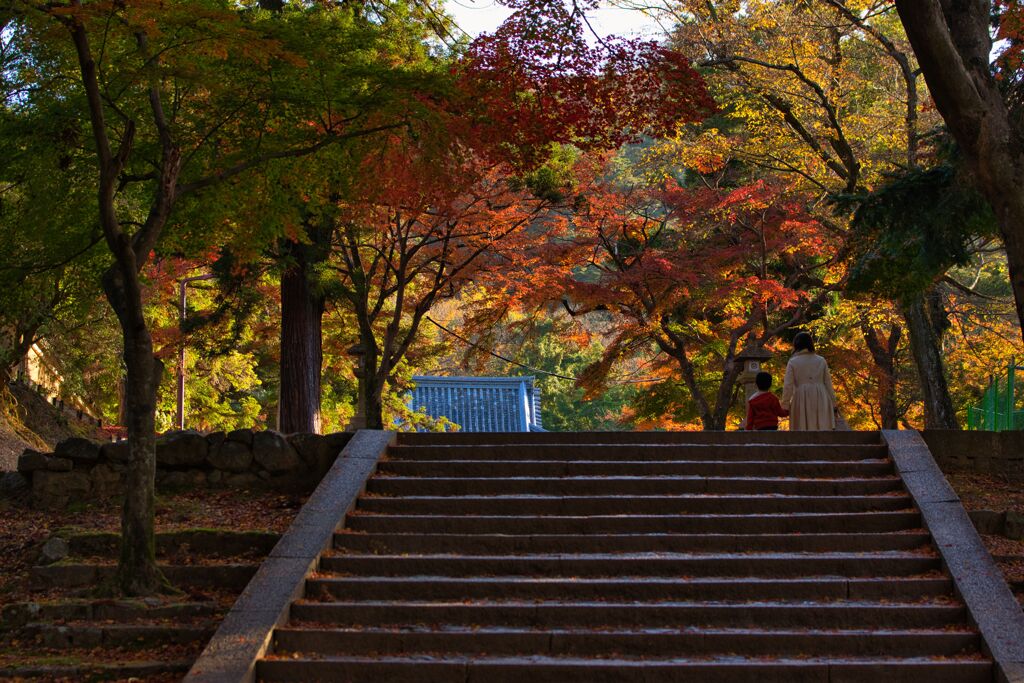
[[803, 342], [763, 381]]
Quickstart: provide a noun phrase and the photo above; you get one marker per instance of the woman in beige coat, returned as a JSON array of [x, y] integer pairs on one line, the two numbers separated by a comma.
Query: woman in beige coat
[[807, 389]]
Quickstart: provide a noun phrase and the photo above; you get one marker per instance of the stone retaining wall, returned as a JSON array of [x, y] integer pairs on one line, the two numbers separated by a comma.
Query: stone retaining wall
[[999, 453], [82, 470]]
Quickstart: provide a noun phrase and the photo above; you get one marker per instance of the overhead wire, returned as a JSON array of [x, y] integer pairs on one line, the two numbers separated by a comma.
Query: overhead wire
[[523, 365]]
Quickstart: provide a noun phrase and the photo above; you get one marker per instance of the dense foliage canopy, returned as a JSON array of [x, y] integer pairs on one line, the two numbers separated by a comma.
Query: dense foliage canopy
[[298, 206]]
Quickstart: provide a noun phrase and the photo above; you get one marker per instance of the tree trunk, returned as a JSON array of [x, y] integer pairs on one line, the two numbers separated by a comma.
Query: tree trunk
[[301, 365], [884, 357], [710, 423], [375, 405], [711, 418], [707, 419], [137, 572], [724, 401], [952, 42], [22, 339], [938, 406], [371, 385]]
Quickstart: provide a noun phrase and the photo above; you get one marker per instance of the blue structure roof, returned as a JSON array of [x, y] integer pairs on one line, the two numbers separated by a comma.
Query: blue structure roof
[[481, 404]]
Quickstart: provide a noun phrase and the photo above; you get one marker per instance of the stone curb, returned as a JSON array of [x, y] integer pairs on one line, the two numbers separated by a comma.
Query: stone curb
[[245, 634], [991, 605]]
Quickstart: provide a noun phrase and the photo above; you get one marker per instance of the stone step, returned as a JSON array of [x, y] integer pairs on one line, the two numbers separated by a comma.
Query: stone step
[[556, 614], [892, 563], [648, 558], [201, 542], [645, 452], [79, 575], [16, 615], [428, 587], [91, 635], [529, 440], [47, 670], [604, 505], [486, 544], [637, 523], [605, 468], [623, 486], [583, 670], [669, 642]]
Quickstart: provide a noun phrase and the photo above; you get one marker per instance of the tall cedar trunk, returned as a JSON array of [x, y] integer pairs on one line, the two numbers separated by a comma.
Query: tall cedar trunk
[[938, 406], [137, 572], [884, 370], [302, 312], [952, 42]]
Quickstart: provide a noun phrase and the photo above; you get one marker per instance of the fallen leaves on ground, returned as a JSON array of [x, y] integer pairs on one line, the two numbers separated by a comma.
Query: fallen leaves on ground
[[987, 492]]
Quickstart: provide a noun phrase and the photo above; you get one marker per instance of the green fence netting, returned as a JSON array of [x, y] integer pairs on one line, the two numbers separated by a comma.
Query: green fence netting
[[998, 409]]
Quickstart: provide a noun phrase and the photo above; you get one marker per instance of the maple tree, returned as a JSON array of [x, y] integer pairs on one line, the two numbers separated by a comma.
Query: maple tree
[[543, 78], [697, 273], [865, 342], [828, 95], [412, 234], [177, 100], [214, 354], [534, 82], [981, 340], [715, 230]]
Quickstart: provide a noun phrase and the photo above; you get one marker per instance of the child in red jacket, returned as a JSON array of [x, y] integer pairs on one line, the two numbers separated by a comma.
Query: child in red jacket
[[763, 408]]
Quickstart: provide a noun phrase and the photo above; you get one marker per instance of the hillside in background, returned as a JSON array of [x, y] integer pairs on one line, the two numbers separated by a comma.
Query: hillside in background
[[29, 420]]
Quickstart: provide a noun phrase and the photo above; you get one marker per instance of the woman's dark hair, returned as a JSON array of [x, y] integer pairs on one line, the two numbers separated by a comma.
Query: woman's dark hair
[[803, 342]]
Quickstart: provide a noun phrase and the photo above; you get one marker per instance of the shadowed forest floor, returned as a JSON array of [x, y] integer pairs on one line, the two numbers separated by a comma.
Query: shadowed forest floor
[[23, 531], [164, 633], [988, 492]]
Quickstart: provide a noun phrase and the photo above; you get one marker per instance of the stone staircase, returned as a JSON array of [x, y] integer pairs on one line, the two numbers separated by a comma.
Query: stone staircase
[[631, 557]]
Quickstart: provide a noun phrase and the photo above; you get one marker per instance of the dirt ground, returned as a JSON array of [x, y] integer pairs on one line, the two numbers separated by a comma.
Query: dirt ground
[[987, 492], [22, 531]]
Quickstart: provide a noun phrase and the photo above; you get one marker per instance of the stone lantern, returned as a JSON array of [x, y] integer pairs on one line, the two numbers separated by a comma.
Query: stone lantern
[[752, 358], [358, 420]]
